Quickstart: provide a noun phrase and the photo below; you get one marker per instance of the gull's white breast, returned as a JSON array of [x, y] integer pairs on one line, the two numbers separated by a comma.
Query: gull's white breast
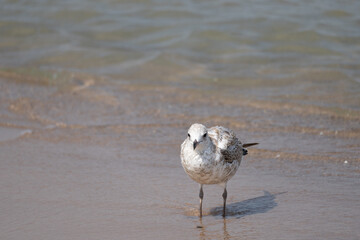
[[209, 167]]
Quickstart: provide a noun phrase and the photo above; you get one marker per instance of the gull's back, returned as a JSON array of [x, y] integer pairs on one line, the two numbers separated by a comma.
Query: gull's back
[[227, 144]]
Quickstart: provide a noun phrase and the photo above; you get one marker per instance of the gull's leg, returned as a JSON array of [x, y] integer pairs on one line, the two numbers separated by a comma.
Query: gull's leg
[[224, 195], [201, 196]]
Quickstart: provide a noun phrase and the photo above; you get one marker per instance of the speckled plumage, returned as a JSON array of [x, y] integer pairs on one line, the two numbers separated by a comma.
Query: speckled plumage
[[211, 156], [217, 162]]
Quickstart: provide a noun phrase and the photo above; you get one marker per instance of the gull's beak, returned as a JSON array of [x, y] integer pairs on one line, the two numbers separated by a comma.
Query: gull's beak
[[195, 144]]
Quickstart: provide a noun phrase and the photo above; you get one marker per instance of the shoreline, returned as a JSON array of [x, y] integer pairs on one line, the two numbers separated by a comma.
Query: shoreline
[[103, 161]]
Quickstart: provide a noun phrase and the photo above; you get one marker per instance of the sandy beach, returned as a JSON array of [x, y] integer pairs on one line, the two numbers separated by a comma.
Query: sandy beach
[[97, 96], [102, 161]]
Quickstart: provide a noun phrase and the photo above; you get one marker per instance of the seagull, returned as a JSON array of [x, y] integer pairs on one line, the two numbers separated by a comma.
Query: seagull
[[212, 156]]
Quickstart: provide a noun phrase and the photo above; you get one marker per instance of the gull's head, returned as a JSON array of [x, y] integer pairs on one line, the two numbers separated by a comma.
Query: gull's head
[[198, 135]]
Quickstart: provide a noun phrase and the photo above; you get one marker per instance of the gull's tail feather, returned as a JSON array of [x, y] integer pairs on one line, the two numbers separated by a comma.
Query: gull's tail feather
[[245, 145]]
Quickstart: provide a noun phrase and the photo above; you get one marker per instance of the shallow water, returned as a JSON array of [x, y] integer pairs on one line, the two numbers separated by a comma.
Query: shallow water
[[103, 162], [96, 98]]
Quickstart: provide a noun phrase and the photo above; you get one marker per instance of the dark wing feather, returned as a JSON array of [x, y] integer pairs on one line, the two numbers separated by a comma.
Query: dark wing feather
[[230, 147], [233, 152]]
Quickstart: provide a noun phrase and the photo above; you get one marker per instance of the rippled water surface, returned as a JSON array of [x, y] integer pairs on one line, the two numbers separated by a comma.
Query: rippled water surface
[[96, 98], [228, 39]]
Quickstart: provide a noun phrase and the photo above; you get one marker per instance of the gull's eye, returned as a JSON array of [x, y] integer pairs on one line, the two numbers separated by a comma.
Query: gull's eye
[[188, 134], [205, 135]]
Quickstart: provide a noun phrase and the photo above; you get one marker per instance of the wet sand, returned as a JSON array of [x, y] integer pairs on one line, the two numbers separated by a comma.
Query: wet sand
[[86, 157], [97, 96]]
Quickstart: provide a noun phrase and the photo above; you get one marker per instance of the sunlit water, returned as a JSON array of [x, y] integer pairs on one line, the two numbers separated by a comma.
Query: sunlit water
[[96, 98], [232, 39]]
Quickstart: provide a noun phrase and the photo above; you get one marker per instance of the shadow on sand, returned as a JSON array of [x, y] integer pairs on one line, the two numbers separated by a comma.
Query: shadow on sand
[[251, 206]]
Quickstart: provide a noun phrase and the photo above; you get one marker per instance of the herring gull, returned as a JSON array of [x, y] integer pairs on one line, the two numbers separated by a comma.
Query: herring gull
[[212, 156]]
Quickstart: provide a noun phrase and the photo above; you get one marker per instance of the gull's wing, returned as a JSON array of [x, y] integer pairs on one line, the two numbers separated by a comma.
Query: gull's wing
[[225, 140]]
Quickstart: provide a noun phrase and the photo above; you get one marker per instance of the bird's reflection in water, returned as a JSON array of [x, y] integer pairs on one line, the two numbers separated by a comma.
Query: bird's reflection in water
[[226, 235], [204, 235]]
